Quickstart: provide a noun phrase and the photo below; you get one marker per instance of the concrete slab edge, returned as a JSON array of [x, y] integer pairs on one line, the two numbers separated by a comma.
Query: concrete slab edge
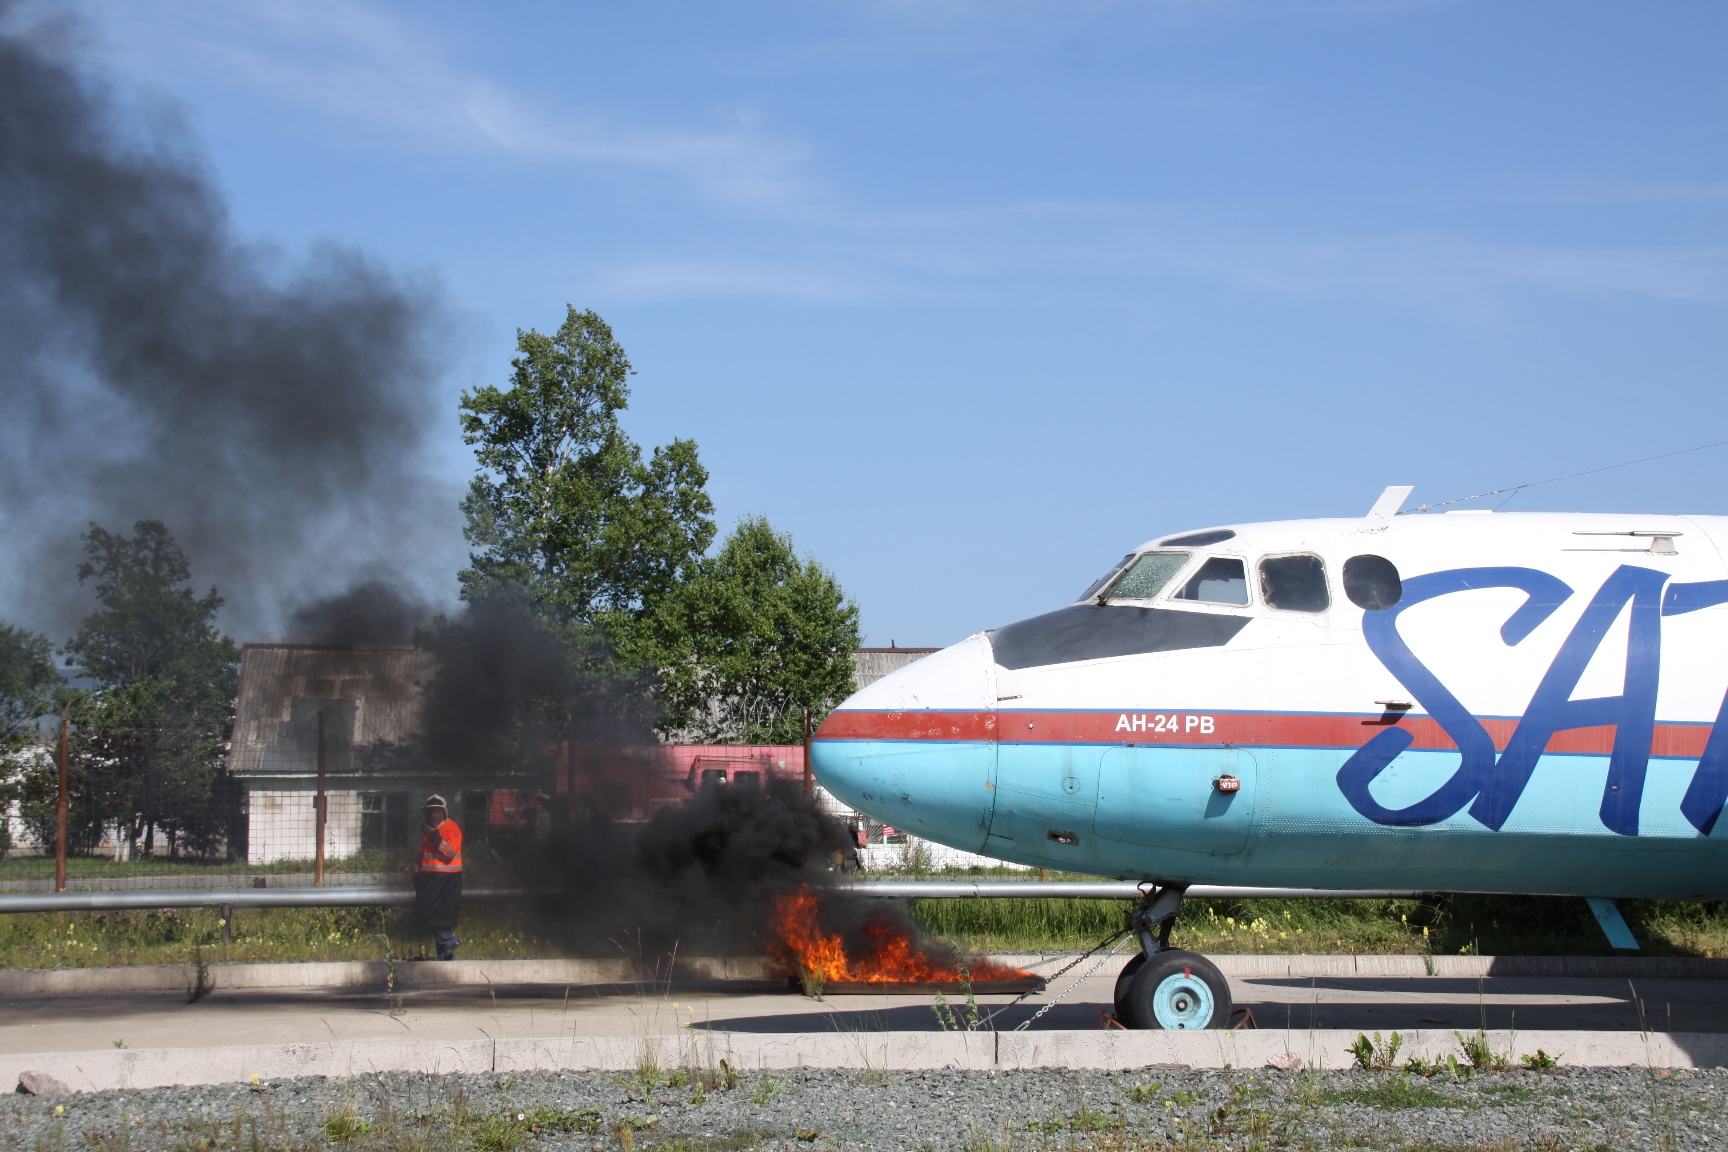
[[882, 1051], [414, 973], [374, 973]]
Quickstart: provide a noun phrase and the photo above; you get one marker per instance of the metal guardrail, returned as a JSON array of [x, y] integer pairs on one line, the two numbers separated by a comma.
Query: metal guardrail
[[176, 881], [338, 896], [335, 896], [1098, 890]]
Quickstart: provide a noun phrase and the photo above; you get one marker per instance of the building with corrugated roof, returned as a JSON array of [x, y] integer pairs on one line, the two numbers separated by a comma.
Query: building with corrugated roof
[[871, 664], [369, 700]]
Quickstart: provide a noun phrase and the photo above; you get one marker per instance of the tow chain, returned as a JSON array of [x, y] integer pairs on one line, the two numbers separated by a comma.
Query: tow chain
[[1029, 1021], [1077, 961]]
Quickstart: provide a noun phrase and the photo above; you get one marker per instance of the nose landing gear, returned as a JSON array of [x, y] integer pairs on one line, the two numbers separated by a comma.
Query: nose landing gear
[[1166, 987]]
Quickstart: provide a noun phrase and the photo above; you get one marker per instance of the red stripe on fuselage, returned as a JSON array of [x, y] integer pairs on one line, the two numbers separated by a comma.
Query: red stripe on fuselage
[[1189, 728]]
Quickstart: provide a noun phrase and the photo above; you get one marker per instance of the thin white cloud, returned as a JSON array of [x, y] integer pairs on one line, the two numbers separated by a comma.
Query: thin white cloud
[[367, 67], [1121, 252], [843, 282]]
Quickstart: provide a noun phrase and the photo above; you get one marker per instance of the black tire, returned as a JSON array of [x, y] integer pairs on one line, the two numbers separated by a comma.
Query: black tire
[[1122, 981], [1172, 990]]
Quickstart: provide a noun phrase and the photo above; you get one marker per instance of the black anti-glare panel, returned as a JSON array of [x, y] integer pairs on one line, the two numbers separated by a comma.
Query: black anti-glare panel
[[1089, 632]]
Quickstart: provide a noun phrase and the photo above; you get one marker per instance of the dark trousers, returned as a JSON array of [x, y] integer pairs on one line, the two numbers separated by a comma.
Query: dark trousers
[[437, 901]]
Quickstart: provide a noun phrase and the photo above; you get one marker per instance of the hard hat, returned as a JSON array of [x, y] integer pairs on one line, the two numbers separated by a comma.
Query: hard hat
[[435, 801]]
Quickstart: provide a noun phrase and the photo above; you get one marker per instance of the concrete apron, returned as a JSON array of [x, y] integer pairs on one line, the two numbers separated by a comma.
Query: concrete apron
[[879, 1051]]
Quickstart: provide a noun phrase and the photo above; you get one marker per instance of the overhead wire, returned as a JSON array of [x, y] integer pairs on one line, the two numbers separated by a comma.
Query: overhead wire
[[1517, 488]]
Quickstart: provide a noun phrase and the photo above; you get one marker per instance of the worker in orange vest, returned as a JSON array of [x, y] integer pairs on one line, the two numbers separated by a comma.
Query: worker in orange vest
[[438, 877]]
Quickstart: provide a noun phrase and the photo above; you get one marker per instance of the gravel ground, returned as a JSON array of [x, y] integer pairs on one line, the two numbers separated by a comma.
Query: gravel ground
[[1152, 1108]]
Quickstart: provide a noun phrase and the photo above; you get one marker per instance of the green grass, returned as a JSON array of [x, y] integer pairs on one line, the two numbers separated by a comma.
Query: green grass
[[1483, 925], [1391, 1093], [174, 936]]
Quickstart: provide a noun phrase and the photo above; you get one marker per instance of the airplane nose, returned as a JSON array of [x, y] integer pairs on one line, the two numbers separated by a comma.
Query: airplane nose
[[917, 749]]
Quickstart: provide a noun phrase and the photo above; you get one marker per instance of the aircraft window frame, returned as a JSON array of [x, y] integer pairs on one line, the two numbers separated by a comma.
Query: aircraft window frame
[[1174, 589], [1108, 594], [1101, 585], [1325, 581]]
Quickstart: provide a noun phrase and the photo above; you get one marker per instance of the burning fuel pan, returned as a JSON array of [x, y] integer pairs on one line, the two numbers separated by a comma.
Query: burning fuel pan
[[924, 987]]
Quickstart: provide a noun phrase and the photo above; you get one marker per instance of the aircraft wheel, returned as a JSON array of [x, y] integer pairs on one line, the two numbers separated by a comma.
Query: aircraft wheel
[[1125, 978], [1178, 991]]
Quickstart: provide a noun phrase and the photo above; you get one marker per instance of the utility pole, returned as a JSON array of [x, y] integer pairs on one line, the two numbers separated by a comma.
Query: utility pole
[[60, 809], [809, 776], [318, 808]]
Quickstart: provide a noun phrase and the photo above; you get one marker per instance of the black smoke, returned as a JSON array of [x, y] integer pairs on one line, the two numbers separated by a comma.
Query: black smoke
[[630, 858], [371, 613], [154, 364], [510, 688]]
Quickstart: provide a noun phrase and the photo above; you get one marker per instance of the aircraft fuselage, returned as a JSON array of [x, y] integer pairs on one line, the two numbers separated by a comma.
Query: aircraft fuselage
[[1465, 703]]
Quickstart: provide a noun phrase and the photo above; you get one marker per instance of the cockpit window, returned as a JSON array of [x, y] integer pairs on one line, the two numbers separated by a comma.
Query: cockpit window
[[1294, 583], [1200, 539], [1221, 580], [1372, 583], [1105, 579], [1148, 576]]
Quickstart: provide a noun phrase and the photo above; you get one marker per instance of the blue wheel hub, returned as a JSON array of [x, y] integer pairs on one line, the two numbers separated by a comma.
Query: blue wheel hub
[[1182, 1001]]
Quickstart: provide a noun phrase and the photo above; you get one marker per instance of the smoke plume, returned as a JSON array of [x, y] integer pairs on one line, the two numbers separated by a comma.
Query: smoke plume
[[373, 613], [154, 364], [633, 856]]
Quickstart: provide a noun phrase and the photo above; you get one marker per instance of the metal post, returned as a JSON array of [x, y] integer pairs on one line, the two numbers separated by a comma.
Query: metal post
[[809, 776], [227, 912], [60, 810], [318, 807]]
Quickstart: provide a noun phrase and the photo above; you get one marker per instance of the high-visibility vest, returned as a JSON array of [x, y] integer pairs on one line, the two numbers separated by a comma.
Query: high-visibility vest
[[441, 849]]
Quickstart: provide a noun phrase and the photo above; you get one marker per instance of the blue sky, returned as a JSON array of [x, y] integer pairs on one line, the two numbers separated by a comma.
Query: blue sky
[[971, 297]]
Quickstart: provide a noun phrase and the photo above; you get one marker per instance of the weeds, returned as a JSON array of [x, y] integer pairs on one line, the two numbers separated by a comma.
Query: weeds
[[1145, 1093], [201, 977], [54, 1140], [1085, 1120], [647, 1070], [1417, 1066], [811, 981], [552, 1120], [498, 1133], [345, 1125], [1539, 1061], [1480, 1055], [944, 1013], [970, 1018], [1377, 1055]]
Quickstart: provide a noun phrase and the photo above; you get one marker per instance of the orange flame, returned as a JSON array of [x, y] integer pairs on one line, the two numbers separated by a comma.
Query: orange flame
[[890, 956]]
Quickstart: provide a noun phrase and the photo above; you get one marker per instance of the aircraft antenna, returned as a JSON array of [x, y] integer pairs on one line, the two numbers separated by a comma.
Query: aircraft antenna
[[1517, 488]]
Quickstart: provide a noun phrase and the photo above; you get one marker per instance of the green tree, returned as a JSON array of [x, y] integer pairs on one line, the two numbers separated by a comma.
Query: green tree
[[156, 724], [27, 676], [565, 513], [755, 639]]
